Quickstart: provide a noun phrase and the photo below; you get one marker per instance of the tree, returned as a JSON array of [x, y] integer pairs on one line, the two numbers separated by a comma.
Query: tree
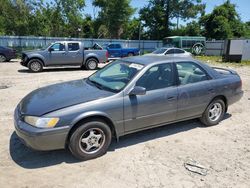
[[113, 16], [193, 29], [157, 15], [224, 22], [131, 29], [247, 28]]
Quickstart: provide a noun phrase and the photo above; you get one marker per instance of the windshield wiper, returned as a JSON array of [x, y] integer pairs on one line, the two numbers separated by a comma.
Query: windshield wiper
[[98, 85]]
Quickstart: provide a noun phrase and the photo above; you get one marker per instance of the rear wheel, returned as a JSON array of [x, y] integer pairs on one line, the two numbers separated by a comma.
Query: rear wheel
[[130, 54], [35, 65], [2, 58], [91, 64], [214, 113], [90, 140]]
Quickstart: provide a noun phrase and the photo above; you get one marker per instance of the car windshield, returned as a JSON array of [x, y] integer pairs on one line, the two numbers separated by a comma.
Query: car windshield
[[159, 51], [115, 76]]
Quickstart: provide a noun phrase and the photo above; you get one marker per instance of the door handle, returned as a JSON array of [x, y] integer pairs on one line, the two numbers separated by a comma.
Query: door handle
[[171, 98]]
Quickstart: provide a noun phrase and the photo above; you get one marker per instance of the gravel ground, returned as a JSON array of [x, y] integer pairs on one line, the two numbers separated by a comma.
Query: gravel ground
[[152, 158]]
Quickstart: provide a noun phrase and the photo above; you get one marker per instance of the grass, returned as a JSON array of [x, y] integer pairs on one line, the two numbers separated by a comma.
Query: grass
[[218, 59]]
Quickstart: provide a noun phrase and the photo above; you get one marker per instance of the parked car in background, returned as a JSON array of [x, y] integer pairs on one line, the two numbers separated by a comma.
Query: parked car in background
[[126, 96], [6, 54], [64, 53], [194, 44], [116, 51], [171, 52]]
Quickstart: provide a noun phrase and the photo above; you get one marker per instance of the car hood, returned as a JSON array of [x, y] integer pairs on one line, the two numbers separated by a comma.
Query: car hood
[[54, 97]]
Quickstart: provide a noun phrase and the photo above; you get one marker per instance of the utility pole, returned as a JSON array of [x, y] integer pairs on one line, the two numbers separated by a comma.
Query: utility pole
[[140, 35]]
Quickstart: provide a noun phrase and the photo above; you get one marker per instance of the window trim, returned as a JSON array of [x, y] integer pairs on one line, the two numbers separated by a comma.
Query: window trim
[[194, 63]]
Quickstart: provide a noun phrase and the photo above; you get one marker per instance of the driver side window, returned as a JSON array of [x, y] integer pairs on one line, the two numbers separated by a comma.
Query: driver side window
[[58, 47], [157, 77]]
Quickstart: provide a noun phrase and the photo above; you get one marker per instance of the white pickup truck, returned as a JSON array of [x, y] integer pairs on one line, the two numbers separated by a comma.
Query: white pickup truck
[[64, 53]]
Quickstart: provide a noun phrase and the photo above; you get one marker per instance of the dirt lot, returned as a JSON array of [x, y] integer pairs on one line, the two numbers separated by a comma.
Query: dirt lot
[[153, 158]]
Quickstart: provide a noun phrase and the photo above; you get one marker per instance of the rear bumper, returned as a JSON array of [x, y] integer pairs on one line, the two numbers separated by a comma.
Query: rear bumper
[[40, 139], [235, 98]]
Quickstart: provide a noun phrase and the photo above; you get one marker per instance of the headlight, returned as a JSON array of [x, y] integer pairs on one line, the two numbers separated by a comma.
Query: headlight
[[41, 122]]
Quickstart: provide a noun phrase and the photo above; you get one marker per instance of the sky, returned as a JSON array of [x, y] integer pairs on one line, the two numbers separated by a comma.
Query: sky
[[242, 7]]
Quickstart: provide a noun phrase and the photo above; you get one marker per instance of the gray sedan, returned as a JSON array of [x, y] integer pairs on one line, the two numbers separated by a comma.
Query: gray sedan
[[126, 96]]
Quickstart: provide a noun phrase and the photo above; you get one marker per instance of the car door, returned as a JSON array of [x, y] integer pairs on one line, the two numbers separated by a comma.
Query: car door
[[114, 50], [194, 90], [75, 55], [57, 54], [158, 105]]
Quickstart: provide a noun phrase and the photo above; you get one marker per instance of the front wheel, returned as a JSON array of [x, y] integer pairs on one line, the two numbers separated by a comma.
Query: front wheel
[[213, 113], [91, 64], [90, 140], [35, 65]]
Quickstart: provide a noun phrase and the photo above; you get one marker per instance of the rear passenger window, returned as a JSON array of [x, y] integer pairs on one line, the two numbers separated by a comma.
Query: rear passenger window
[[178, 51], [189, 72], [157, 77], [171, 51], [73, 46]]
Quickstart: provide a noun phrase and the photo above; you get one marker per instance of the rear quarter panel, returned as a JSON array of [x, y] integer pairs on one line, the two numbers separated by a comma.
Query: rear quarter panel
[[98, 54]]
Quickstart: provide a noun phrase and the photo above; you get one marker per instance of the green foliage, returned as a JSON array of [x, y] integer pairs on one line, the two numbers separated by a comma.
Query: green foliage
[[224, 22], [247, 28], [114, 15], [66, 18], [161, 12]]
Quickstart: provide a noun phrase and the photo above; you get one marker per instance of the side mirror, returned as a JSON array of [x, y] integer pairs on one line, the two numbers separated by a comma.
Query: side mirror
[[51, 49], [138, 90]]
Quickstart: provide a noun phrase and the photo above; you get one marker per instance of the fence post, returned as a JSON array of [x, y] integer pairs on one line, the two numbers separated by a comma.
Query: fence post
[[143, 46]]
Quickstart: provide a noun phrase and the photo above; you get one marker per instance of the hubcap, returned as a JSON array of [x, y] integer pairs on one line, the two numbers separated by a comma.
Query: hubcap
[[215, 112], [197, 49], [92, 141], [35, 66], [2, 58], [92, 64]]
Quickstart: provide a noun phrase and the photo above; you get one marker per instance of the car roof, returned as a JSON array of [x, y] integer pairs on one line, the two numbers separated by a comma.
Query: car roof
[[153, 59]]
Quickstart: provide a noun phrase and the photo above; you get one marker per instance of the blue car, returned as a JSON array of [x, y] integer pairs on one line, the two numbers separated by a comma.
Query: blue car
[[116, 51]]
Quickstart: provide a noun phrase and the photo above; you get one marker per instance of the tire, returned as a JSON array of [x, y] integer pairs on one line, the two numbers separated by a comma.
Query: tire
[[35, 65], [214, 113], [130, 54], [198, 49], [90, 140], [2, 58], [91, 64]]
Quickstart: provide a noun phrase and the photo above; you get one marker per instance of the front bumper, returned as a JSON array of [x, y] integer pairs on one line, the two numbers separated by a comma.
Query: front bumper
[[40, 139]]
